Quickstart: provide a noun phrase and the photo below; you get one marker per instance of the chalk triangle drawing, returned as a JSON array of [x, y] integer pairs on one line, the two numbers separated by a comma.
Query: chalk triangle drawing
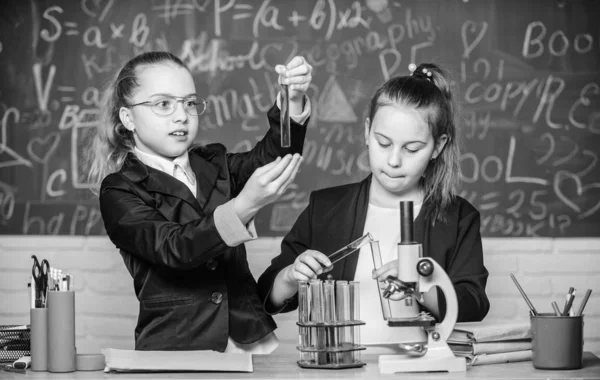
[[333, 104]]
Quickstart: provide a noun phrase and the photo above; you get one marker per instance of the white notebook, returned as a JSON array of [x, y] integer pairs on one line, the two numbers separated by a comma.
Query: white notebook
[[175, 361]]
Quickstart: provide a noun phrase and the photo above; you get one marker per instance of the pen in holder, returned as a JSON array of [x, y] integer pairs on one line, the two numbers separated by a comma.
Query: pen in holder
[[557, 341], [61, 331]]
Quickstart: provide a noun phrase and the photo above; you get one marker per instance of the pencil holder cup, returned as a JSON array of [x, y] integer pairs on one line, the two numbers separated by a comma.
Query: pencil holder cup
[[329, 328], [61, 331], [39, 339], [557, 342]]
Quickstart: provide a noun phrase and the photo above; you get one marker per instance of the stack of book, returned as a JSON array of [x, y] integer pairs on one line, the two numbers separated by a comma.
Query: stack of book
[[491, 342]]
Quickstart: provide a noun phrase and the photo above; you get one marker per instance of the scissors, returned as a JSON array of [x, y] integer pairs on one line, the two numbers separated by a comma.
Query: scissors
[[40, 276]]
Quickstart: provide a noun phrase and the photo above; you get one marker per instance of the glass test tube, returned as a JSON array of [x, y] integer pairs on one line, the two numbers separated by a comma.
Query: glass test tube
[[304, 316], [343, 312], [286, 136], [330, 316], [378, 263], [348, 250], [317, 315], [354, 296]]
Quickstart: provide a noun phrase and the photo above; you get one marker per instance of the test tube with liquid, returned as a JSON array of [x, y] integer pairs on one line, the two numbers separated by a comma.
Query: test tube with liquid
[[354, 296], [286, 135], [304, 316], [317, 314], [343, 311], [349, 249], [330, 317]]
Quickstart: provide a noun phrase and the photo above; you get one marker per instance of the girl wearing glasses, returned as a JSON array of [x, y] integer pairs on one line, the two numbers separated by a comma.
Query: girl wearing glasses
[[180, 213]]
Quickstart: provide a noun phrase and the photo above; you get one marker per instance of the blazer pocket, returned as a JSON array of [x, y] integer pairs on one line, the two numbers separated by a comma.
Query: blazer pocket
[[169, 321], [167, 301]]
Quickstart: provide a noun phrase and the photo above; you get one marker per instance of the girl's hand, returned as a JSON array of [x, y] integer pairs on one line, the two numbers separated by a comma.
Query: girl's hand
[[297, 74], [266, 185], [307, 266], [381, 275], [388, 269]]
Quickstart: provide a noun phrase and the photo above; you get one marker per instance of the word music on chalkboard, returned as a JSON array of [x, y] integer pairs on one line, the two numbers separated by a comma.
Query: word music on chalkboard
[[527, 75]]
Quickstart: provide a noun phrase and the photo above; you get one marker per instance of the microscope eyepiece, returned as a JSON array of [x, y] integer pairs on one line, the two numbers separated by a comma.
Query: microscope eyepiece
[[406, 223]]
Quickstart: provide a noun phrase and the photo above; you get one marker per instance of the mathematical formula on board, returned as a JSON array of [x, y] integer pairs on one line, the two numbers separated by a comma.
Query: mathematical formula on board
[[529, 97]]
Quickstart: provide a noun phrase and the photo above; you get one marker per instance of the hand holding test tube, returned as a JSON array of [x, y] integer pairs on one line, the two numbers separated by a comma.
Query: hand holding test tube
[[355, 246], [312, 263], [294, 80]]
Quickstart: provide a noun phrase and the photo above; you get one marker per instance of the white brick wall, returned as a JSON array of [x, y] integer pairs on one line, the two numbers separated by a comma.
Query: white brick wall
[[106, 307]]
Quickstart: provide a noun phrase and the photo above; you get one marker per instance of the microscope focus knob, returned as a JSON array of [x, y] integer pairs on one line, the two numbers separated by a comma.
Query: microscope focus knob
[[425, 268]]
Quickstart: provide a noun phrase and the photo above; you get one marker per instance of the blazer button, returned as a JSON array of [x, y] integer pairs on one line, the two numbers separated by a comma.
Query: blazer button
[[212, 264], [216, 298]]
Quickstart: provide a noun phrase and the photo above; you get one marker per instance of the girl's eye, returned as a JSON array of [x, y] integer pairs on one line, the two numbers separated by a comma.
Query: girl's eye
[[411, 150], [383, 145], [163, 104]]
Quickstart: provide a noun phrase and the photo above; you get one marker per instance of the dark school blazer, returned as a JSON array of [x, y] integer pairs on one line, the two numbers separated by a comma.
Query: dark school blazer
[[194, 290], [336, 216]]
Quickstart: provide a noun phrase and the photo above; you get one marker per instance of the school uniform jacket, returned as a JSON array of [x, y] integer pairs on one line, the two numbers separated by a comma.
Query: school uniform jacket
[[336, 216], [194, 290]]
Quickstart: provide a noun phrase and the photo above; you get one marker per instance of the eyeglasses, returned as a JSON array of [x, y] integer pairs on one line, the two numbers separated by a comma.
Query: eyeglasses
[[165, 105]]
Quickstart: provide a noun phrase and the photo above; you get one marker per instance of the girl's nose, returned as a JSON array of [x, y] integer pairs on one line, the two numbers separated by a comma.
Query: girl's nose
[[180, 114], [394, 159]]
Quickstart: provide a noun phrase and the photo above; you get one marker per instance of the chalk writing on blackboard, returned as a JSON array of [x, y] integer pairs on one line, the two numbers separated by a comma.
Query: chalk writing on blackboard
[[529, 96]]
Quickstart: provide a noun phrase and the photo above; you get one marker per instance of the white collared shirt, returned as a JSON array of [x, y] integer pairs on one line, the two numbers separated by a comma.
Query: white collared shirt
[[173, 167]]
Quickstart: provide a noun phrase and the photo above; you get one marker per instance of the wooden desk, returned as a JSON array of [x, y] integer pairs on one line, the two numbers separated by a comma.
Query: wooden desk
[[274, 367]]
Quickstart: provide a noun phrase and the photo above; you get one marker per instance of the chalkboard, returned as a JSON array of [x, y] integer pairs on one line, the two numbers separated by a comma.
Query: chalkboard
[[527, 73]]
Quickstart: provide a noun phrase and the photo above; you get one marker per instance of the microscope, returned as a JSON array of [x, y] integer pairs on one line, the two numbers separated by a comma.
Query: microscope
[[416, 276]]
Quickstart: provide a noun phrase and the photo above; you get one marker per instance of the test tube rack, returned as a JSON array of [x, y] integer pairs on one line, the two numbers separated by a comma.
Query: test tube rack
[[328, 324]]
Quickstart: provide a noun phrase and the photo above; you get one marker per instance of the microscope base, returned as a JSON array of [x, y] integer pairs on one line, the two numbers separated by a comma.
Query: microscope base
[[440, 359]]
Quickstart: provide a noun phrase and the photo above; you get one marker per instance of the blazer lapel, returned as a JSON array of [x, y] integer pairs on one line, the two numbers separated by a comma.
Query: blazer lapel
[[156, 181], [206, 180], [164, 183]]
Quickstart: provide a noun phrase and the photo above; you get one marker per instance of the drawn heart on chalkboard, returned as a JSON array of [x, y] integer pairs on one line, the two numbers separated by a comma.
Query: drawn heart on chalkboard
[[202, 7], [40, 149], [560, 182], [96, 8], [471, 28]]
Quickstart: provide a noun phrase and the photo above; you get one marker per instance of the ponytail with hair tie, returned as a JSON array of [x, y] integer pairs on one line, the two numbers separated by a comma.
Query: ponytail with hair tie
[[424, 73]]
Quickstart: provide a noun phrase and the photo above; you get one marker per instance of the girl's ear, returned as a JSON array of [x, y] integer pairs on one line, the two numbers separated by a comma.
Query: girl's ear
[[125, 116], [367, 130], [439, 146]]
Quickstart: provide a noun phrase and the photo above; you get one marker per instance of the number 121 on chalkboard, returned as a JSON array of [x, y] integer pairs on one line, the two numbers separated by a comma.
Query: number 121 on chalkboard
[[284, 118]]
